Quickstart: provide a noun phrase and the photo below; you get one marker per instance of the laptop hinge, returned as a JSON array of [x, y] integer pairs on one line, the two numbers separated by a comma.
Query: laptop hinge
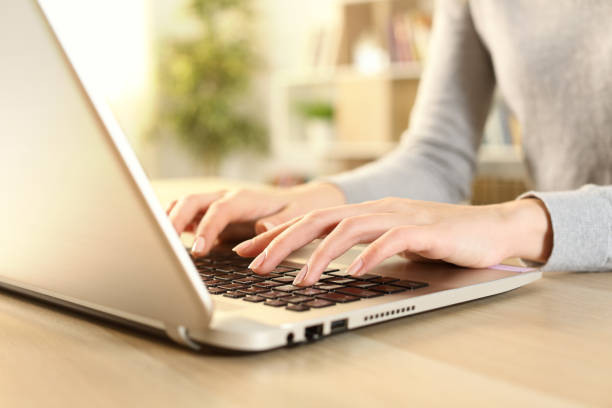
[[179, 335]]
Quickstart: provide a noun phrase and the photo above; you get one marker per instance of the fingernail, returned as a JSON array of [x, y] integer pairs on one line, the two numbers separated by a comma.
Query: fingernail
[[268, 225], [300, 276], [355, 267], [198, 245], [242, 246], [259, 260]]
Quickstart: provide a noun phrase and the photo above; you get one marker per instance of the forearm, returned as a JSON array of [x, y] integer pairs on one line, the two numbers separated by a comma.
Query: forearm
[[419, 171], [436, 159]]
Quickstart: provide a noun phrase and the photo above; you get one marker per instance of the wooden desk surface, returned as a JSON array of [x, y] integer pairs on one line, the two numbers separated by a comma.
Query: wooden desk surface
[[547, 344]]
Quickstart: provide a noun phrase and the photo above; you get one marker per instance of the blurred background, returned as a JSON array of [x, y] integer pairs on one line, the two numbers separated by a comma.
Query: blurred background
[[275, 91]]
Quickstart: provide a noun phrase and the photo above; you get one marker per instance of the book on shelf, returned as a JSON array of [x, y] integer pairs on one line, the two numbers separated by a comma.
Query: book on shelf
[[501, 128], [323, 46], [409, 36]]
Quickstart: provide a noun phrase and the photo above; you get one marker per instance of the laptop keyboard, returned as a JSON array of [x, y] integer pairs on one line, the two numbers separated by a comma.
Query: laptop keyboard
[[228, 275]]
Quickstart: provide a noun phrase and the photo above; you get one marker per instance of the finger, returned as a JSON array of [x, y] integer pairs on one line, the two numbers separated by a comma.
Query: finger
[[257, 244], [420, 240], [313, 225], [188, 207], [260, 242], [218, 215], [271, 222], [237, 232], [349, 232], [237, 206], [170, 207]]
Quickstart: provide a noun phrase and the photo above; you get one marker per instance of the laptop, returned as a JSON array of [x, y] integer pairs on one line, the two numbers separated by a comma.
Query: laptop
[[81, 226]]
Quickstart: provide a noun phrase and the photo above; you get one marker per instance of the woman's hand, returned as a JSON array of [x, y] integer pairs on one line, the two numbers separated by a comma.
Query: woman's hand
[[472, 236], [243, 212]]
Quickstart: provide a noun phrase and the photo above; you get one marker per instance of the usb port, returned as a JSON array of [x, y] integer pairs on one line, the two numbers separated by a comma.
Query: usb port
[[338, 326], [313, 332]]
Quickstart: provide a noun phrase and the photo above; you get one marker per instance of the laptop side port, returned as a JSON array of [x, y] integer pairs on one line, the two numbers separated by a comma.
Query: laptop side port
[[312, 333], [338, 326]]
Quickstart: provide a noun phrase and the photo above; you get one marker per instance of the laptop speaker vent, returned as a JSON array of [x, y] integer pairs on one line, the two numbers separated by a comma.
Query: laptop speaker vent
[[385, 315]]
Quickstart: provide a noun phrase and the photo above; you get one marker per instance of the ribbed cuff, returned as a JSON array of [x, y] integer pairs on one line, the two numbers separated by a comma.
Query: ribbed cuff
[[581, 224], [353, 187]]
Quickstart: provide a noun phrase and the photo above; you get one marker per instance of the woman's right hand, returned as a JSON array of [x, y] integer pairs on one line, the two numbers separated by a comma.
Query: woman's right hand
[[211, 215]]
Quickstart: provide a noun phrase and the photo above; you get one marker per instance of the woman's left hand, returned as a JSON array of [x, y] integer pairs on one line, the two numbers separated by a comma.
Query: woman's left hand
[[471, 236]]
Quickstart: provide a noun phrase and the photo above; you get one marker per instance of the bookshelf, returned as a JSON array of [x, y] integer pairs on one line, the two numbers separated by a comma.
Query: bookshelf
[[368, 69]]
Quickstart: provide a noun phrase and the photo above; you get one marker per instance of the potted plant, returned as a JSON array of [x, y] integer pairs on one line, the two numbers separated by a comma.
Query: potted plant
[[204, 79], [319, 117]]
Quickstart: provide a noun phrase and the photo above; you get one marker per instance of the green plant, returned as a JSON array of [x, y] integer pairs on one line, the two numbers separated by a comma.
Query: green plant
[[205, 78], [316, 110]]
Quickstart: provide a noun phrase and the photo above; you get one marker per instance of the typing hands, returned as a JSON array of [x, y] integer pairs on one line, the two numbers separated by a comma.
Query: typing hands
[[472, 236], [287, 219]]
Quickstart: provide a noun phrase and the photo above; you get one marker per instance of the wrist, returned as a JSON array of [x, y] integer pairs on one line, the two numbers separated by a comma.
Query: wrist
[[529, 229], [322, 194]]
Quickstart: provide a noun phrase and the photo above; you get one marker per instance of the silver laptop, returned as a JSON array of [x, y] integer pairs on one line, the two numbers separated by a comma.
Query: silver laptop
[[80, 226]]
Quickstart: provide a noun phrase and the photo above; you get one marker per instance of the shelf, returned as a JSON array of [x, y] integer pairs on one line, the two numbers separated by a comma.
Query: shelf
[[329, 76], [501, 161], [500, 154]]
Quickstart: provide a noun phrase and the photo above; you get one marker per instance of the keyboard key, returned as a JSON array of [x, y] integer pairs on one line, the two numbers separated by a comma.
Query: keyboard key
[[297, 299], [340, 281], [388, 289], [337, 273], [234, 294], [271, 275], [216, 291], [211, 283], [243, 264], [361, 284], [337, 297], [244, 272], [328, 286], [232, 286], [362, 293], [229, 277], [273, 294], [225, 268], [284, 269], [207, 274], [319, 303], [293, 274], [268, 284], [298, 308], [408, 284], [275, 302], [253, 290], [325, 276], [309, 292], [287, 288], [366, 277], [384, 279], [248, 281], [254, 299], [284, 279]]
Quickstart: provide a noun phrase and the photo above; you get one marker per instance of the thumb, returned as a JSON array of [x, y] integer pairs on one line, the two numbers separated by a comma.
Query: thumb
[[268, 223]]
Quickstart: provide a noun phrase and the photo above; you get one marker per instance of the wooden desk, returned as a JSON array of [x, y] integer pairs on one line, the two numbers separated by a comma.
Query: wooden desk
[[547, 344]]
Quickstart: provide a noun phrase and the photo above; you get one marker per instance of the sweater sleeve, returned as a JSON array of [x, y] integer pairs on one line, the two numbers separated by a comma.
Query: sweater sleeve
[[435, 160], [582, 228]]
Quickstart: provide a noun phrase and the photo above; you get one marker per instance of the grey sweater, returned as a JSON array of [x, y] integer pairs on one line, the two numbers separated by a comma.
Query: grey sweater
[[552, 62]]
